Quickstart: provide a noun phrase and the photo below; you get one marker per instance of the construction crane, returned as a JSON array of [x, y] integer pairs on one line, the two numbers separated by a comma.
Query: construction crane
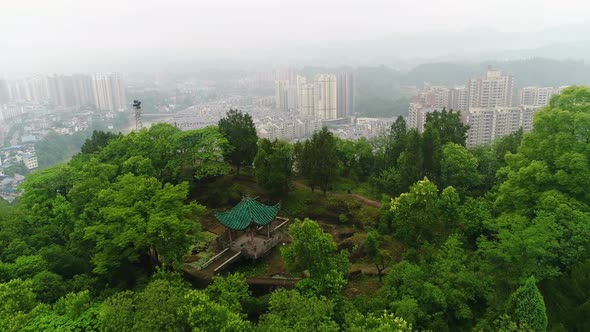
[[137, 107]]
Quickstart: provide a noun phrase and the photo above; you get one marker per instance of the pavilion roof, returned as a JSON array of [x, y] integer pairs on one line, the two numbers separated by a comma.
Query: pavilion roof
[[246, 212]]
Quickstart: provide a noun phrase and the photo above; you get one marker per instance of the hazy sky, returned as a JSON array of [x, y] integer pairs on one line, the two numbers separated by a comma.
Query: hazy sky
[[38, 32]]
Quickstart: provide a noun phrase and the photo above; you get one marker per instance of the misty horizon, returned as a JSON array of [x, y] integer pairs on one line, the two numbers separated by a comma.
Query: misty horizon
[[88, 36]]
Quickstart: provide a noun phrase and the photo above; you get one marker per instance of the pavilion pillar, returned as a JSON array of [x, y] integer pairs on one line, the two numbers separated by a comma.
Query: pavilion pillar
[[229, 231], [268, 231]]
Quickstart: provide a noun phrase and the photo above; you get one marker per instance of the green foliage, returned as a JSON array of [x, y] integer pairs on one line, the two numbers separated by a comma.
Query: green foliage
[[314, 251], [240, 132], [385, 322], [439, 293], [292, 311], [528, 306], [372, 248], [411, 160], [97, 141], [297, 203], [86, 247], [274, 165], [230, 291], [317, 160], [424, 215], [459, 169]]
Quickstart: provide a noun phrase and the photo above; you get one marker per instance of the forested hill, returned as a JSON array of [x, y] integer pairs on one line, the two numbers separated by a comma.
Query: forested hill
[[534, 71], [380, 89], [495, 238]]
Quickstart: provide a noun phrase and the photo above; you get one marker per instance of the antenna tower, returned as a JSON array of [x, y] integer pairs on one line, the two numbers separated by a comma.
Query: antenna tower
[[137, 108]]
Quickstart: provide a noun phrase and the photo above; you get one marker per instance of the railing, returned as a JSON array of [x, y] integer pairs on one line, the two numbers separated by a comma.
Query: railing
[[230, 260], [207, 263]]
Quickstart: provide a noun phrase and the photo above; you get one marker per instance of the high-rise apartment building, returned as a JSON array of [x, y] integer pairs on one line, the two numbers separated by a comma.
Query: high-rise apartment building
[[326, 97], [61, 90], [487, 124], [536, 96], [305, 97], [345, 92], [83, 91], [417, 115], [434, 96], [459, 99], [109, 93], [282, 95], [494, 90], [544, 95]]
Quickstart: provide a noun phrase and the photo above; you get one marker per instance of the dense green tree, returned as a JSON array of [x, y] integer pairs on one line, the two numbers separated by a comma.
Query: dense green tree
[[292, 311], [157, 306], [318, 162], [438, 294], [17, 298], [314, 251], [411, 160], [230, 291], [424, 215], [528, 306], [544, 225], [373, 249], [357, 160], [117, 313], [97, 141], [204, 314], [449, 126], [141, 219], [432, 151], [274, 165], [385, 322], [396, 141], [199, 155], [240, 132], [459, 169]]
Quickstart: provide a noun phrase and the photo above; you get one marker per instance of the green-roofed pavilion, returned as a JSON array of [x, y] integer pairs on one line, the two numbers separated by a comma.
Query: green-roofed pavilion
[[247, 212]]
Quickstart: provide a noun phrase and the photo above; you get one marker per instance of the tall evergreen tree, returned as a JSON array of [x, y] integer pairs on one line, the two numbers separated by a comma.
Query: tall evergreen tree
[[274, 165], [398, 134], [239, 130], [449, 126], [410, 162], [318, 160], [528, 306]]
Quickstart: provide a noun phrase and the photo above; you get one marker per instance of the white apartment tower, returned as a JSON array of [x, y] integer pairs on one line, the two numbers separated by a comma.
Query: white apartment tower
[[459, 99], [326, 97], [494, 90], [305, 97], [282, 95], [109, 93], [536, 96], [345, 92], [487, 124], [417, 116]]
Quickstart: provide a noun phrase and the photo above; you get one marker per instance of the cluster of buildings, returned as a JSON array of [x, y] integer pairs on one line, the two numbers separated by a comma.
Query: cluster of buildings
[[286, 126], [13, 156], [487, 104], [103, 91], [326, 97]]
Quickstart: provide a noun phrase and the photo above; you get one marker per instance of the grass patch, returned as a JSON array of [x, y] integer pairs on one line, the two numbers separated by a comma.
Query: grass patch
[[249, 268], [297, 203]]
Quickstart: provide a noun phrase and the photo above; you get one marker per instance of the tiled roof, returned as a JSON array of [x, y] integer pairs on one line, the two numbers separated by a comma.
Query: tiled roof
[[248, 211]]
